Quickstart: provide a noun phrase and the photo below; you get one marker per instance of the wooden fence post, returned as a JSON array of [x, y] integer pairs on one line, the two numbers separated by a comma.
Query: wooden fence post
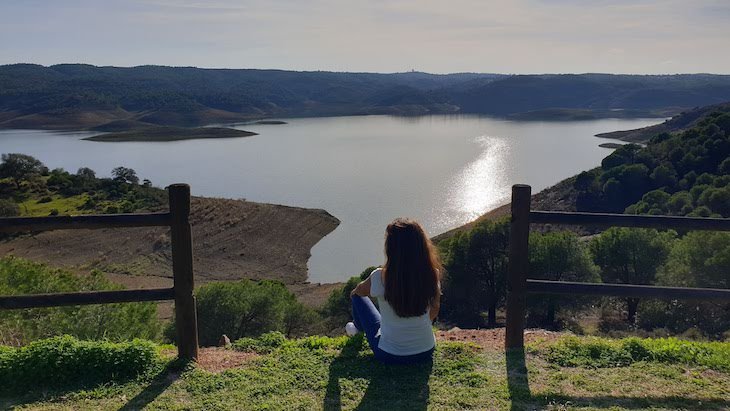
[[517, 267], [186, 321]]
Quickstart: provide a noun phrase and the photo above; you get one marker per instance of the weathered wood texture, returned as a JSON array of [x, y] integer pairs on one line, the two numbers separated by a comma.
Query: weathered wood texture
[[85, 298], [626, 290], [20, 224], [517, 267], [186, 322]]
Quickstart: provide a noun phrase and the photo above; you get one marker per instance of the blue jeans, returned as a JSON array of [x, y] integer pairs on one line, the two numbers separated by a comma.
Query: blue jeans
[[367, 319]]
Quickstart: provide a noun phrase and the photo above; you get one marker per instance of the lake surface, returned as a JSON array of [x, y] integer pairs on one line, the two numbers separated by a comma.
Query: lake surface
[[441, 170]]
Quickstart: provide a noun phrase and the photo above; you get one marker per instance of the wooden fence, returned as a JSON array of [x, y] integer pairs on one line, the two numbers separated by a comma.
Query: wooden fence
[[177, 219], [518, 285]]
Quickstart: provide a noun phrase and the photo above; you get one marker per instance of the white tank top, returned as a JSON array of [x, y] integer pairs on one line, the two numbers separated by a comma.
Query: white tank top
[[400, 335]]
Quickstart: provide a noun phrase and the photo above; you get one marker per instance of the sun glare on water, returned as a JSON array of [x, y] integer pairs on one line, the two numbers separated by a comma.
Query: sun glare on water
[[480, 185]]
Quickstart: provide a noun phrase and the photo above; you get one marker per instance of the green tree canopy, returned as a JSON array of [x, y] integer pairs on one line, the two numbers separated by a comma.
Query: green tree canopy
[[630, 256], [19, 167], [558, 256]]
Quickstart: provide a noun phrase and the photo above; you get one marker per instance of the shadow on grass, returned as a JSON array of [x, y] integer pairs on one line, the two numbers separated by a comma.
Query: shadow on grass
[[401, 387], [157, 386], [169, 374], [522, 398], [517, 382]]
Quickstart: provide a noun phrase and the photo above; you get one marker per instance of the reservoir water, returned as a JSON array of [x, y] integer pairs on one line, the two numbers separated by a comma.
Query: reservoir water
[[441, 170]]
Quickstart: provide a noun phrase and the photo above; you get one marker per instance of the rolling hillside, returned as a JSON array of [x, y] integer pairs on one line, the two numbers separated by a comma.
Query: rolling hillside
[[74, 96]]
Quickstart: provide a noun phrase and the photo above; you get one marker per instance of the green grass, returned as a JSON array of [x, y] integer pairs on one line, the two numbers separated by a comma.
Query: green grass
[[340, 373], [64, 205], [601, 352]]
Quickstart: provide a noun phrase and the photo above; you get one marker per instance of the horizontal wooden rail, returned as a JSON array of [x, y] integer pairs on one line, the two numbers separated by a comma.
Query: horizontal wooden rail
[[628, 220], [626, 290], [85, 298], [18, 224]]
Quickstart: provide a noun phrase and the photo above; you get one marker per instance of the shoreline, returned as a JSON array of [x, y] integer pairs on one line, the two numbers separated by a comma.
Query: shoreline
[[136, 126]]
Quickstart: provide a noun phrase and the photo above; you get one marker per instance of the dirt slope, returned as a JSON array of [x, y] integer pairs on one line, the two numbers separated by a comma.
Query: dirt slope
[[232, 239]]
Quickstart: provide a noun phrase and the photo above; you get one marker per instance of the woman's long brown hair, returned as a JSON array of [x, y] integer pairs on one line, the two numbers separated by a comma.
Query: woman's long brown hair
[[412, 267]]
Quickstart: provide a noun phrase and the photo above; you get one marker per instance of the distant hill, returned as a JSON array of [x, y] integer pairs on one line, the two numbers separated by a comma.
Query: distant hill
[[84, 96]]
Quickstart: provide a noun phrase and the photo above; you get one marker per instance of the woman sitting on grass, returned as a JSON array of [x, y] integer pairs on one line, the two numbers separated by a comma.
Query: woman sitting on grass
[[409, 296]]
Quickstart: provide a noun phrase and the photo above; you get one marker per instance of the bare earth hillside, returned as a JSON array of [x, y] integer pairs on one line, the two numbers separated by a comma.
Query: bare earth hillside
[[232, 239]]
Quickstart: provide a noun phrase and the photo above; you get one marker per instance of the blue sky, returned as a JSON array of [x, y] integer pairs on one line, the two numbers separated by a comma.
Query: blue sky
[[519, 36]]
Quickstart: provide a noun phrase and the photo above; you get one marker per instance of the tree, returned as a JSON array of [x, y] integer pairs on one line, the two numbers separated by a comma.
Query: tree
[[476, 265], [558, 256], [630, 256], [19, 167], [664, 175], [699, 259], [125, 175], [724, 167], [717, 200], [86, 174]]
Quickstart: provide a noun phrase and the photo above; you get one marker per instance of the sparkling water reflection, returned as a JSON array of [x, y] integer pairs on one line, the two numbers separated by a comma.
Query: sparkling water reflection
[[442, 170]]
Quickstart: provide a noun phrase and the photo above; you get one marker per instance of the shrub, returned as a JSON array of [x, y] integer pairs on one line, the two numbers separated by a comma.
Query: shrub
[[245, 308], [62, 361], [112, 321], [338, 309], [8, 208], [45, 199]]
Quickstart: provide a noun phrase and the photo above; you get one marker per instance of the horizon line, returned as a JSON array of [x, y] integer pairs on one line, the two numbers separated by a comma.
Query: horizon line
[[369, 72]]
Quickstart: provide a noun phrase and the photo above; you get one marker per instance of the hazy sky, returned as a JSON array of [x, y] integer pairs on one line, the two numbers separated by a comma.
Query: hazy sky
[[520, 36]]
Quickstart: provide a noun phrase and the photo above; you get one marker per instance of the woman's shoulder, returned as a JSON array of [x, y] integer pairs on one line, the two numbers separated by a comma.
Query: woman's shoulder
[[377, 275], [376, 282]]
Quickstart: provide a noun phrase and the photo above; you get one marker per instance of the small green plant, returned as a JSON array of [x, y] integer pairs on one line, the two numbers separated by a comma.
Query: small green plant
[[265, 343]]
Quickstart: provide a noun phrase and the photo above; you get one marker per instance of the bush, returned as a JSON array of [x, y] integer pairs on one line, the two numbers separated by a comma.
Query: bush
[[62, 361], [8, 208], [247, 308], [111, 321], [337, 310], [599, 352], [266, 343]]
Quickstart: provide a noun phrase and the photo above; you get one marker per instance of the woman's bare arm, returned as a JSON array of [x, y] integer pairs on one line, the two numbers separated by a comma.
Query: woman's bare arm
[[362, 289], [433, 310]]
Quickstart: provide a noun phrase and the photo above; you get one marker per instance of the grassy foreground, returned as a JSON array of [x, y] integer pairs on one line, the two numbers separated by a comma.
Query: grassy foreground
[[339, 373]]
